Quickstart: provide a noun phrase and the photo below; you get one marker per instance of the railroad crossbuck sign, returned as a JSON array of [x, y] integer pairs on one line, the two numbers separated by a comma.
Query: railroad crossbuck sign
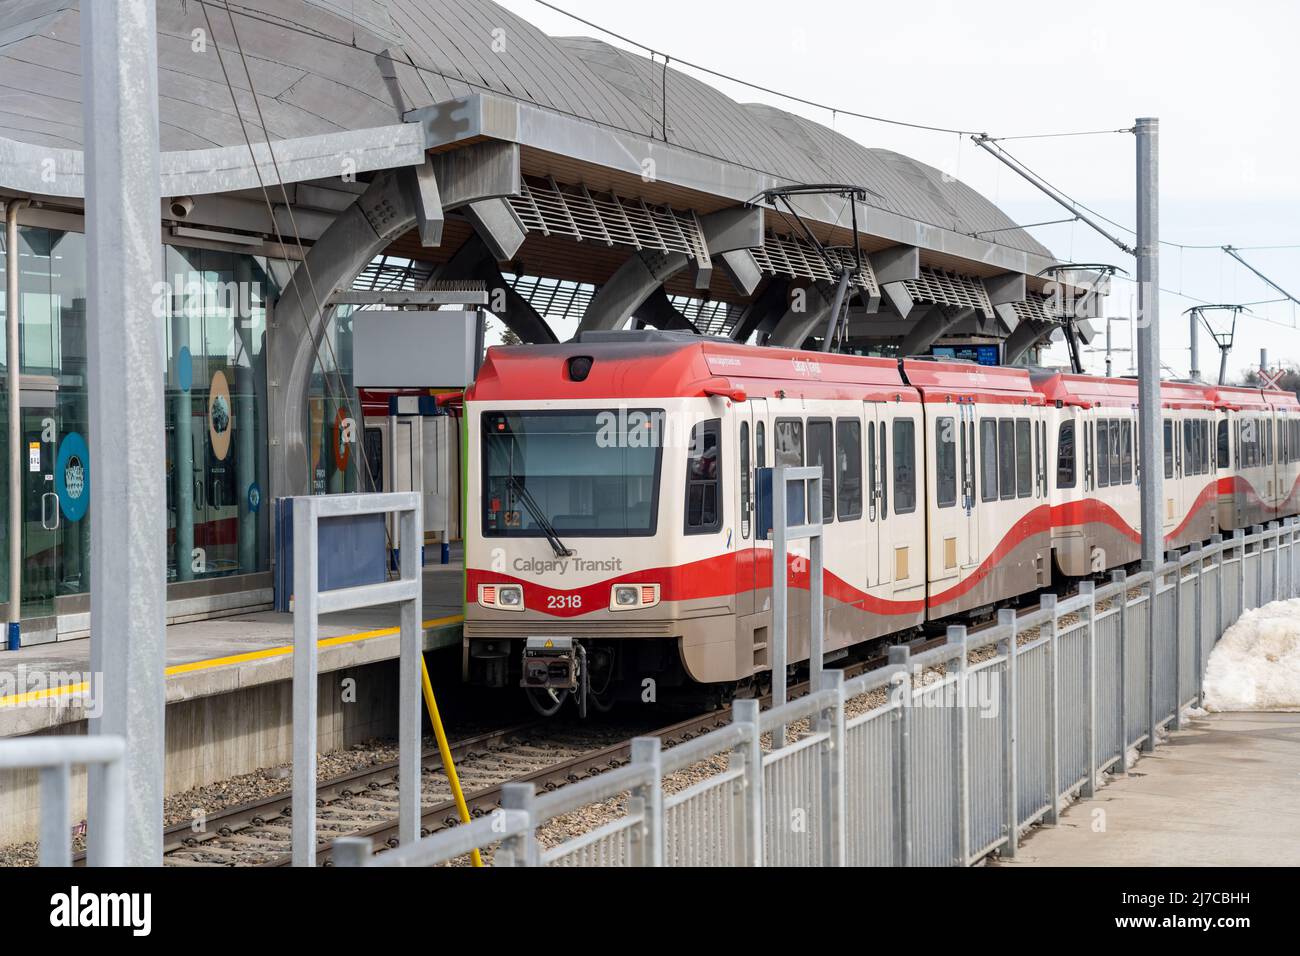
[[1269, 379]]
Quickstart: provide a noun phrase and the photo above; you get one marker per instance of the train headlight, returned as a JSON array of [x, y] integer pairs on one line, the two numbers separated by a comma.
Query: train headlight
[[629, 597], [502, 597]]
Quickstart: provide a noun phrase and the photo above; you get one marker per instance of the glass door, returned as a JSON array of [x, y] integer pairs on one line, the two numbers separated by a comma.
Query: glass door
[[42, 539]]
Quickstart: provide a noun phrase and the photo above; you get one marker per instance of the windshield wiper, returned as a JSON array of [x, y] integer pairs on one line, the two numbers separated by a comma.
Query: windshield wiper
[[539, 516]]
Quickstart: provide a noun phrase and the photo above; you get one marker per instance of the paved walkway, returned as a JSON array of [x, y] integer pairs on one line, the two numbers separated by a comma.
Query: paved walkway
[[1223, 792]]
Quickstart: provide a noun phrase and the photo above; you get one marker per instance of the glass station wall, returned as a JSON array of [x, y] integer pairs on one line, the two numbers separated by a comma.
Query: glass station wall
[[213, 307]]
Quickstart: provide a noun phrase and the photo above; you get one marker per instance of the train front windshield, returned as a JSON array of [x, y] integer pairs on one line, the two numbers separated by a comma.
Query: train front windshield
[[585, 472]]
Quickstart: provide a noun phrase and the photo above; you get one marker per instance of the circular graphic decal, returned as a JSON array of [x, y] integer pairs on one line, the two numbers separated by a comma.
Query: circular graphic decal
[[219, 417], [184, 369], [254, 497], [342, 447], [72, 476]]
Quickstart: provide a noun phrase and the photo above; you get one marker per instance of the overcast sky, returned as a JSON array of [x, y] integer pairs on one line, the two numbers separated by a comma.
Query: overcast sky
[[1221, 79]]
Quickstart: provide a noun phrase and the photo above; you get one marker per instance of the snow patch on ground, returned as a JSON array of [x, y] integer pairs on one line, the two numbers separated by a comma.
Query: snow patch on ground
[[1256, 664]]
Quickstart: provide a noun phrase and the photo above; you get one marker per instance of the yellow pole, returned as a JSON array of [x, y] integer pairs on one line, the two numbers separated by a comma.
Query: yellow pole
[[447, 764]]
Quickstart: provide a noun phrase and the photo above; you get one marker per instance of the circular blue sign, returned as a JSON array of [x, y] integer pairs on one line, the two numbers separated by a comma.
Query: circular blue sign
[[72, 476], [254, 497], [184, 369]]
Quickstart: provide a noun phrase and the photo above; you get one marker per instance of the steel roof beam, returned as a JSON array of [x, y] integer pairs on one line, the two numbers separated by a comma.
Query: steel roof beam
[[935, 323]]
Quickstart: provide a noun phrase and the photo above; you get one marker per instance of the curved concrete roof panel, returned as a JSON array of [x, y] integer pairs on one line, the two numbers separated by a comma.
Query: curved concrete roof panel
[[330, 66]]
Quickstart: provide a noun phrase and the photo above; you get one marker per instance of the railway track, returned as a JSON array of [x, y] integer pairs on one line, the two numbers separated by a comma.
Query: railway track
[[364, 802]]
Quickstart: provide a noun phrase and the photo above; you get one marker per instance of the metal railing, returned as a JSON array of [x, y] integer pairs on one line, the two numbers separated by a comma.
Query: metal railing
[[54, 757], [939, 758], [309, 603]]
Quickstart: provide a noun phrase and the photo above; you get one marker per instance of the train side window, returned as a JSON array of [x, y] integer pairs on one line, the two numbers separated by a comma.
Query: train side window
[[1169, 448], [821, 451], [1126, 452], [873, 474], [760, 446], [1103, 454], [1268, 441], [904, 466], [1024, 459], [988, 459], [945, 462], [1189, 445], [848, 481], [1065, 470], [744, 480], [1087, 456], [884, 473], [704, 478], [1007, 458], [789, 443]]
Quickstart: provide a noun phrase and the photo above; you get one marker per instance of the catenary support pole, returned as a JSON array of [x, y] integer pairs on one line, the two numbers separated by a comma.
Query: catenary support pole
[[1194, 346], [124, 346], [1148, 340]]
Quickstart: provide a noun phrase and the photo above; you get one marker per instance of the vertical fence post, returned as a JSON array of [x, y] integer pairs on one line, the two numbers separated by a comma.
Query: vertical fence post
[[1048, 604], [1088, 590], [1198, 615], [1258, 533], [1216, 542], [305, 689], [352, 851], [518, 849], [1121, 683], [1153, 619], [1277, 561], [411, 652], [646, 753], [1010, 718], [831, 722], [960, 669], [56, 834], [1239, 543], [1179, 626], [746, 712], [901, 657]]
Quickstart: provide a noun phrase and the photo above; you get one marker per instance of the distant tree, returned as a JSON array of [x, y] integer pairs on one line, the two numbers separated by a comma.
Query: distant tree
[[1290, 381], [510, 337]]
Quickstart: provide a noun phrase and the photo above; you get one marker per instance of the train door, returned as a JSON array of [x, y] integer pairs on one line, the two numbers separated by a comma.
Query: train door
[[947, 521], [1175, 464], [966, 487], [754, 453], [875, 511], [751, 441]]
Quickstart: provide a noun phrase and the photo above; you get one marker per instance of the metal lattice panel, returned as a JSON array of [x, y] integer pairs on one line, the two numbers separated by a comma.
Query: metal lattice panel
[[949, 288], [791, 256], [554, 298], [577, 213], [710, 317], [393, 274], [1037, 307]]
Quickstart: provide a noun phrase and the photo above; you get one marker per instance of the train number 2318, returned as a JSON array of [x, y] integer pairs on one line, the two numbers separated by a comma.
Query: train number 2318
[[564, 602]]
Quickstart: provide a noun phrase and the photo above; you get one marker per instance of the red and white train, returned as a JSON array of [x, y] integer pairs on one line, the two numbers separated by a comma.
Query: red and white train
[[611, 535]]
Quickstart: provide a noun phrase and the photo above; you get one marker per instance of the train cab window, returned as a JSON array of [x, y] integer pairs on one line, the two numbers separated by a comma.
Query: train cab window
[[821, 451], [904, 466], [704, 478], [945, 461], [1024, 460], [760, 446], [744, 480], [1065, 461], [988, 459], [1007, 458], [1126, 452], [848, 478]]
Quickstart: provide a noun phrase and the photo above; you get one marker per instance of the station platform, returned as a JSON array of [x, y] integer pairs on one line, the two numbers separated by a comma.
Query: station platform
[[1222, 792], [44, 686]]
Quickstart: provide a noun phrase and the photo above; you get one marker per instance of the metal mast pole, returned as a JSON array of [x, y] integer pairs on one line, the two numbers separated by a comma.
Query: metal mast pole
[[1194, 373], [124, 341], [1150, 427], [1108, 366]]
